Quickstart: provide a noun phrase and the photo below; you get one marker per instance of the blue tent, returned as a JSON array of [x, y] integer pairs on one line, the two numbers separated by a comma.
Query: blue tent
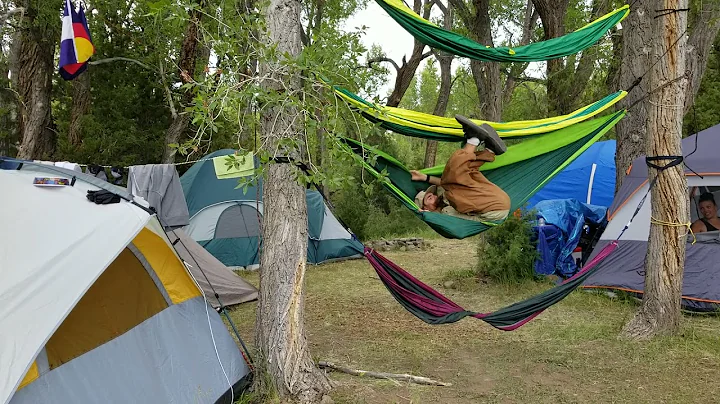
[[589, 179]]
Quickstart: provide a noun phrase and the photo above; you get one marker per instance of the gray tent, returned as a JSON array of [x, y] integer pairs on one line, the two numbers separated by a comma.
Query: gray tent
[[231, 288], [624, 268]]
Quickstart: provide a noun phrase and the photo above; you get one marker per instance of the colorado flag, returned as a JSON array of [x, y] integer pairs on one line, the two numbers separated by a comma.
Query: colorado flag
[[76, 47]]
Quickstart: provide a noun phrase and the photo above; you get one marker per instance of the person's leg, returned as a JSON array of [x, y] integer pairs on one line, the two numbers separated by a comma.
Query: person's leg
[[494, 216], [472, 145], [485, 133]]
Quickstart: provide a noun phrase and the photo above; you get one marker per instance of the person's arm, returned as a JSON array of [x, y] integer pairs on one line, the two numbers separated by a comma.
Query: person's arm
[[418, 176], [698, 227]]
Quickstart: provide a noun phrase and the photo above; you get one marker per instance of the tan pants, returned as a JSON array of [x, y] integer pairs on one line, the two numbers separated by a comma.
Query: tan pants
[[492, 216]]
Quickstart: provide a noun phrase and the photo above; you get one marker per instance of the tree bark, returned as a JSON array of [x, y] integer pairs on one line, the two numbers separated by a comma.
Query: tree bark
[[631, 131], [8, 111], [486, 74], [80, 107], [190, 52], [280, 333], [705, 25], [659, 313], [636, 59], [566, 79], [531, 17], [33, 52], [445, 60], [552, 14]]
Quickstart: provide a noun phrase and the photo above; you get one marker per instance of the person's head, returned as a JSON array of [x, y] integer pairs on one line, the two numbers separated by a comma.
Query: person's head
[[428, 199], [707, 205]]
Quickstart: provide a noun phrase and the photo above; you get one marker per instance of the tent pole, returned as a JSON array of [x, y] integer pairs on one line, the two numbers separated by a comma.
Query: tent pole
[[590, 184]]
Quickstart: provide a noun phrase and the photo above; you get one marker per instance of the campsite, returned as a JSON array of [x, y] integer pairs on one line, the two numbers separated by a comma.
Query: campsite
[[317, 202]]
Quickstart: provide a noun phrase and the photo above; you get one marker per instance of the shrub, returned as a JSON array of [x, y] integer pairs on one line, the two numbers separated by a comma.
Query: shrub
[[506, 253]]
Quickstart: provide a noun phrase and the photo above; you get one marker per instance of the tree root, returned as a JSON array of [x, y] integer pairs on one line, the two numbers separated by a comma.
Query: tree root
[[382, 375]]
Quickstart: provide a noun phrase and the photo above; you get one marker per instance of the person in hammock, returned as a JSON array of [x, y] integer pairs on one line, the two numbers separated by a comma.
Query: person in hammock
[[463, 190]]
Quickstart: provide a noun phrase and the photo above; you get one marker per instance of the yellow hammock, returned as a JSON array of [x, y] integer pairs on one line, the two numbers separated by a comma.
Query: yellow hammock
[[427, 126]]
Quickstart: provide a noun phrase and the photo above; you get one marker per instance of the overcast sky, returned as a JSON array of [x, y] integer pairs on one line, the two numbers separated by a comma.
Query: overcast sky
[[384, 31]]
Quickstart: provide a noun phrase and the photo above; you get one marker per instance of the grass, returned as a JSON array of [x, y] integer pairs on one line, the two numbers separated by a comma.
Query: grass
[[569, 354]]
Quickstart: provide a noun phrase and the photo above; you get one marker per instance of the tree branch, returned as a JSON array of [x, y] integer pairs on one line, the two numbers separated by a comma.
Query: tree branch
[[304, 37], [381, 375], [523, 78], [121, 59], [462, 10], [383, 59], [12, 12], [173, 112], [440, 5]]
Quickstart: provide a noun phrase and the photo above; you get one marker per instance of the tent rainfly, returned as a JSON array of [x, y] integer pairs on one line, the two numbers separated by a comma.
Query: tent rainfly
[[95, 305], [212, 276], [225, 217], [624, 269], [589, 179]]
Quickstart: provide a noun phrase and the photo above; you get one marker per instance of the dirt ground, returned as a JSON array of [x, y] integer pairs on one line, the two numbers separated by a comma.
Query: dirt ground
[[569, 354]]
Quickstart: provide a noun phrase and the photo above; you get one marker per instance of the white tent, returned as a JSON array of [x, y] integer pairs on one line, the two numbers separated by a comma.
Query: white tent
[[95, 306]]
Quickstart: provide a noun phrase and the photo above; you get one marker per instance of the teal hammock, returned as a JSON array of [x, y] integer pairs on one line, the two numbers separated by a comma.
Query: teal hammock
[[520, 172], [448, 41]]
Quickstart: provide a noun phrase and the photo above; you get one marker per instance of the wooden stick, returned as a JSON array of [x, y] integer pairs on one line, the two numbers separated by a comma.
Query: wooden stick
[[382, 375]]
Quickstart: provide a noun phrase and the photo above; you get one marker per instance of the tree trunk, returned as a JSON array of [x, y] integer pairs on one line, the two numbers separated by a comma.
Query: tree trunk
[[445, 61], [486, 74], [190, 52], [705, 25], [8, 111], [636, 59], [280, 334], [637, 26], [80, 107], [516, 69], [665, 260], [552, 14], [33, 52]]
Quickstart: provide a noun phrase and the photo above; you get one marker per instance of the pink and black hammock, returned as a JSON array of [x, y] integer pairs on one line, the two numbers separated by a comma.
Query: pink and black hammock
[[433, 308]]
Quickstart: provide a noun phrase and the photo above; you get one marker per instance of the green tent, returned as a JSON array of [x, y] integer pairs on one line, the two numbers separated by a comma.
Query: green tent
[[225, 218]]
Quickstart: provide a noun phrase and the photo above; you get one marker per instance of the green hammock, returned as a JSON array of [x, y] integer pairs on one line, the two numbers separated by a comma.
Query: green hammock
[[427, 126], [520, 172], [438, 38]]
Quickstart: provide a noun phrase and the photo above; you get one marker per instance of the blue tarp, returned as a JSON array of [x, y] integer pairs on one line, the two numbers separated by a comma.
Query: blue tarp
[[557, 238], [574, 180]]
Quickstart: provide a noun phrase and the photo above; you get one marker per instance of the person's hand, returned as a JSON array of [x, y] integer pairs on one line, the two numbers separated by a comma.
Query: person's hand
[[416, 175]]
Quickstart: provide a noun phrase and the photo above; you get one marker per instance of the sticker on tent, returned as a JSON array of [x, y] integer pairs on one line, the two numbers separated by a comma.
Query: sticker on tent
[[234, 166], [50, 182]]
